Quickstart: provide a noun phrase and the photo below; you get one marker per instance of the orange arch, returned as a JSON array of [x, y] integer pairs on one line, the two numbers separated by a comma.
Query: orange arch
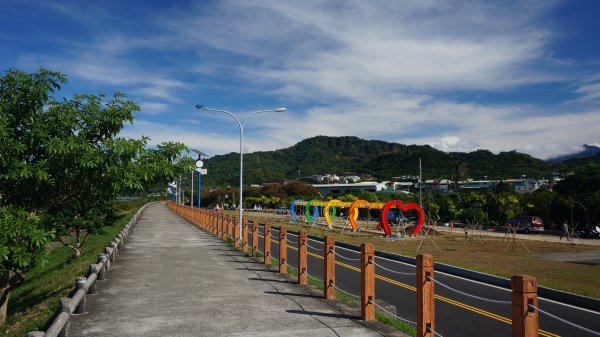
[[353, 212]]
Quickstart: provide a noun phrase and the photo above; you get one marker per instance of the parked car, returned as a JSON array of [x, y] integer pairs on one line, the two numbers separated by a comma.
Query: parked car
[[589, 232], [395, 218], [283, 211], [527, 224]]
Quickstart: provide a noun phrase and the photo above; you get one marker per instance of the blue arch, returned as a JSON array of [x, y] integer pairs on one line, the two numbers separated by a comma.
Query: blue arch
[[293, 208]]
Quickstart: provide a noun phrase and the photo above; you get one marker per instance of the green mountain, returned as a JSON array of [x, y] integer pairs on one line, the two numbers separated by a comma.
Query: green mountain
[[380, 159]]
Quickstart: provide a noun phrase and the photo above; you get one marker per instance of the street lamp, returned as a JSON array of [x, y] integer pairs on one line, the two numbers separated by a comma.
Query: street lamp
[[199, 165], [241, 125]]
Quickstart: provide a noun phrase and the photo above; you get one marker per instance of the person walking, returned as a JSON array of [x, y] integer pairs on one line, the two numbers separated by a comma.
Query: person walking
[[565, 231]]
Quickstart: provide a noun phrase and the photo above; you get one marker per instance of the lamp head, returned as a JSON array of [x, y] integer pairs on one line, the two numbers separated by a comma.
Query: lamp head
[[200, 107], [282, 109]]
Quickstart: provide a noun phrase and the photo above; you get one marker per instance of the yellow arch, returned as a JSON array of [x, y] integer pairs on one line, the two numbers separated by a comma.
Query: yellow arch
[[330, 204]]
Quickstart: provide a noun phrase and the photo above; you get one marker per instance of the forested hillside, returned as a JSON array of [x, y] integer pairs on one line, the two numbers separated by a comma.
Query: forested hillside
[[380, 159]]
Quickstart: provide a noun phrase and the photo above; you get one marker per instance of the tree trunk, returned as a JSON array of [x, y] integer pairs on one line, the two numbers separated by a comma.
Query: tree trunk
[[4, 293], [78, 244]]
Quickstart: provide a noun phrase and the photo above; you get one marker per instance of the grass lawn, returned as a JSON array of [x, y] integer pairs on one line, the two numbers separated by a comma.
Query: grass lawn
[[33, 305]]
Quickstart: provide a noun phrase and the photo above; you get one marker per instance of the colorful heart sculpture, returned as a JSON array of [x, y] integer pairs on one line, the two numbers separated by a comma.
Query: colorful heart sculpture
[[404, 207]]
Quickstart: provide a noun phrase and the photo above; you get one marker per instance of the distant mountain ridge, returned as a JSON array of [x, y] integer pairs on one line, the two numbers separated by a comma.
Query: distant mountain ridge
[[588, 151], [382, 160]]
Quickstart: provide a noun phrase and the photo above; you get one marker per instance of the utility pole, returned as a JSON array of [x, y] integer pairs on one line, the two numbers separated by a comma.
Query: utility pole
[[420, 183]]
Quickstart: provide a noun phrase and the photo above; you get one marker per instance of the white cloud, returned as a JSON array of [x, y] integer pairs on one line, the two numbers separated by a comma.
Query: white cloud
[[384, 70], [153, 108], [453, 144], [590, 92]]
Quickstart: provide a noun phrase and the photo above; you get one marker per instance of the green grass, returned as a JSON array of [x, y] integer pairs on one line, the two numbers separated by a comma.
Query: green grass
[[33, 305], [396, 323]]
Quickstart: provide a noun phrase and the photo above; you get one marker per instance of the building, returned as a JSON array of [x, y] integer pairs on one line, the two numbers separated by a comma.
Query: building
[[325, 189], [479, 185]]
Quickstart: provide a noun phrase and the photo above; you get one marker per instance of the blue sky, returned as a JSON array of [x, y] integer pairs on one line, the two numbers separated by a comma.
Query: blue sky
[[458, 75]]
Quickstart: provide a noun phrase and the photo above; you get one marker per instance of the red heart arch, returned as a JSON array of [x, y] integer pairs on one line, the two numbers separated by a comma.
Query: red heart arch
[[404, 207]]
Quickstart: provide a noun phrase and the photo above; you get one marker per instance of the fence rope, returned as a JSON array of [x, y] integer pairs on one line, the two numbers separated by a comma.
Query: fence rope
[[435, 333], [311, 239], [312, 277], [467, 294], [391, 314], [346, 258], [313, 248], [394, 271], [287, 264], [347, 293], [595, 333]]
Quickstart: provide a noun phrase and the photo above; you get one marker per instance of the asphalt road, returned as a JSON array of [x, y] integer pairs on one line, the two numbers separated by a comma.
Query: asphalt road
[[456, 314]]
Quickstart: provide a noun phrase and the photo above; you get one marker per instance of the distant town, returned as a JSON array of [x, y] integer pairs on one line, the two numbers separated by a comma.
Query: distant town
[[332, 183]]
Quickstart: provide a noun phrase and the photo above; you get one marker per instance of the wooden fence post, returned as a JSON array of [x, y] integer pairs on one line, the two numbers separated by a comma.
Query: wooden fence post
[[329, 267], [524, 293], [208, 221], [267, 244], [229, 223], [425, 296], [367, 284], [282, 250], [254, 238], [236, 233], [214, 223], [219, 226], [245, 236], [302, 257], [223, 227]]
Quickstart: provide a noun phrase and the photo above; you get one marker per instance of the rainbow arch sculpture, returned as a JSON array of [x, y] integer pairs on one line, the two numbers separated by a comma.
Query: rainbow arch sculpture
[[331, 206]]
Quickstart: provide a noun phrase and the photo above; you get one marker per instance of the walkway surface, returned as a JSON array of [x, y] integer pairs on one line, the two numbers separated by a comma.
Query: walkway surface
[[173, 279]]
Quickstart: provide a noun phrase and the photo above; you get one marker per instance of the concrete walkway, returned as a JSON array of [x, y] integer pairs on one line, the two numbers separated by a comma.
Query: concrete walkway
[[172, 279]]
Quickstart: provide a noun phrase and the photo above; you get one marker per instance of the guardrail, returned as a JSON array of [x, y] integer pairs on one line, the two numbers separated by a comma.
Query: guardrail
[[524, 298], [76, 304]]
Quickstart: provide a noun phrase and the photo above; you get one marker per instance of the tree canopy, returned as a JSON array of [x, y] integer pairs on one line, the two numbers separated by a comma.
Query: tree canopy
[[62, 163]]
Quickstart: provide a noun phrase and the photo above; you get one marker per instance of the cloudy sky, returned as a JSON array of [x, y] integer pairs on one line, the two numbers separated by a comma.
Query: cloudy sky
[[458, 75]]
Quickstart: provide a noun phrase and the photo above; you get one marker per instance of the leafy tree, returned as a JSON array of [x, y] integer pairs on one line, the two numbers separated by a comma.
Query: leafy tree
[[61, 162], [581, 189], [459, 174], [539, 203], [22, 244]]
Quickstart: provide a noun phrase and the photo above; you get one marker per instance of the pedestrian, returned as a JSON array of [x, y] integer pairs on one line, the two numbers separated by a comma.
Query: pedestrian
[[565, 231]]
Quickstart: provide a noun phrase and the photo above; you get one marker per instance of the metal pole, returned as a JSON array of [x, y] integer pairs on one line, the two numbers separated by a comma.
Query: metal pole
[[192, 193], [241, 173], [420, 183], [199, 178], [241, 125]]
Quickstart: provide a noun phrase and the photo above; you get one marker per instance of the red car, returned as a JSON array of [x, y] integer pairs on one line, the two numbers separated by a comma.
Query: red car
[[527, 224]]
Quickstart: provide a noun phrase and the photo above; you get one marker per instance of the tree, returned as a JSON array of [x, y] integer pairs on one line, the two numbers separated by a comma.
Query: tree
[[581, 189], [22, 244], [459, 173], [61, 162]]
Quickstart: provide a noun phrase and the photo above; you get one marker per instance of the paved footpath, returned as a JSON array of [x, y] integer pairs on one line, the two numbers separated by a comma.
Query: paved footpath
[[173, 279]]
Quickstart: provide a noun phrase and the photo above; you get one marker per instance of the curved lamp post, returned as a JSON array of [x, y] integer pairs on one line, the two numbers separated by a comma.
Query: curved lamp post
[[241, 125]]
